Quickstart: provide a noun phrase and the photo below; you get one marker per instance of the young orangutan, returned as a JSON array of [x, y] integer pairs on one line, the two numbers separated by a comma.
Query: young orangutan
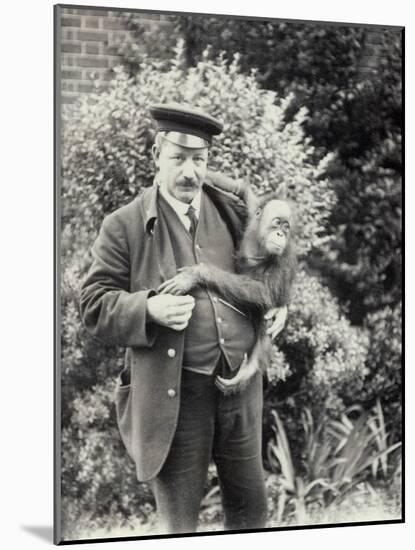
[[265, 266]]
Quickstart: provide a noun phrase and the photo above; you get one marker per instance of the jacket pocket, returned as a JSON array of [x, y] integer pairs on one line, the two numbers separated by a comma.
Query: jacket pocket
[[122, 399]]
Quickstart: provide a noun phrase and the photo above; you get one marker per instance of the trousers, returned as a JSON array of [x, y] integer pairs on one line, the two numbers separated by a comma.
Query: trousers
[[227, 429]]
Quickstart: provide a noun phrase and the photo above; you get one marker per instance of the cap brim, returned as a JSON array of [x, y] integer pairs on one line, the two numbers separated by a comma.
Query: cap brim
[[185, 140]]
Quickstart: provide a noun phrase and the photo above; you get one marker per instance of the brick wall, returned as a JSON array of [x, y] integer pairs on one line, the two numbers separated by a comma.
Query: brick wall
[[88, 51]]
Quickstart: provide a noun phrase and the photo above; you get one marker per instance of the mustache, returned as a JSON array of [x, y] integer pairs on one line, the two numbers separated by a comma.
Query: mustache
[[187, 182]]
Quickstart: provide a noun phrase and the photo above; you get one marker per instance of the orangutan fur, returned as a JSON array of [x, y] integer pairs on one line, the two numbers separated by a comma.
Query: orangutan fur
[[265, 267]]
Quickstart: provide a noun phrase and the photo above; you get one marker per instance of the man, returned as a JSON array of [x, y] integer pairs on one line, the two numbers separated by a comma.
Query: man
[[172, 417]]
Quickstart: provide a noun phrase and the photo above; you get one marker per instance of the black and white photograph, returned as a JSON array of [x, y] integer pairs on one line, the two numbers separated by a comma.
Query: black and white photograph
[[228, 230]]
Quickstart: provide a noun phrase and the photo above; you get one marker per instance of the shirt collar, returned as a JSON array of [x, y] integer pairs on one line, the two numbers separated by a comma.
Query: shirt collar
[[179, 206], [149, 204]]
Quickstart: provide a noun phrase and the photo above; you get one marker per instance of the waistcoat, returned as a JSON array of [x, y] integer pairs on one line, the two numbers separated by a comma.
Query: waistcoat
[[216, 326]]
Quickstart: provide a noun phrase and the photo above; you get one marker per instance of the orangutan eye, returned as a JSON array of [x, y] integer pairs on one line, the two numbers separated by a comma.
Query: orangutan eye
[[276, 222], [286, 227]]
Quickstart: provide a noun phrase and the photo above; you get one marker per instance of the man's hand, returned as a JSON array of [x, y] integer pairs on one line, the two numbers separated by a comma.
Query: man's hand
[[278, 316], [170, 311], [182, 283]]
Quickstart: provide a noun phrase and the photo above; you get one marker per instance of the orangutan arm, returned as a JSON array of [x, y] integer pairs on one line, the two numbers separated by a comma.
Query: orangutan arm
[[240, 290], [237, 187]]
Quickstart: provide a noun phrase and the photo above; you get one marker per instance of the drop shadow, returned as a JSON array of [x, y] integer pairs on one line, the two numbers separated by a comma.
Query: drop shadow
[[44, 532]]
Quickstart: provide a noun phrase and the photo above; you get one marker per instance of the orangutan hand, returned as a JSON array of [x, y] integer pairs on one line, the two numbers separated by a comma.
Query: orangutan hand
[[249, 367], [182, 283], [278, 316]]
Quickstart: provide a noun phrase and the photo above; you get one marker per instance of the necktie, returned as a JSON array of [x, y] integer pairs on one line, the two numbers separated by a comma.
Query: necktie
[[191, 214]]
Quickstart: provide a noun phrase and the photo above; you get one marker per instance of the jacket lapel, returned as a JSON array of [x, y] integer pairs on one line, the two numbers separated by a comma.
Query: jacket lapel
[[158, 234]]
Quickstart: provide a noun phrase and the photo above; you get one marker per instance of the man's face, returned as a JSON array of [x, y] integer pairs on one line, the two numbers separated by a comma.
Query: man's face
[[181, 170]]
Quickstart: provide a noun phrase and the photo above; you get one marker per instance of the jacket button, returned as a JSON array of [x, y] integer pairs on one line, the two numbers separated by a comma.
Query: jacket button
[[214, 299], [171, 392], [222, 340], [171, 352]]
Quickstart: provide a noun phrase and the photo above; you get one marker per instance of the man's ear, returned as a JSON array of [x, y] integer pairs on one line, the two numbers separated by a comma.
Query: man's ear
[[156, 154]]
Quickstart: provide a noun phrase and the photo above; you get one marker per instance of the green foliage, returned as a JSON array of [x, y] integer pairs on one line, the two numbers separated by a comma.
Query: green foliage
[[384, 365], [295, 490], [320, 362], [141, 45], [321, 358], [85, 362], [337, 456], [98, 478]]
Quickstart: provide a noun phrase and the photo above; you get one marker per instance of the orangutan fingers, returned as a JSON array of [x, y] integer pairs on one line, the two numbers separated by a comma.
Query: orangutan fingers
[[169, 287], [225, 387]]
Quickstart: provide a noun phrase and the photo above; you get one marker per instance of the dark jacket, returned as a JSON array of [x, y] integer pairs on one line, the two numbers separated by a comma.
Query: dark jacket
[[132, 256]]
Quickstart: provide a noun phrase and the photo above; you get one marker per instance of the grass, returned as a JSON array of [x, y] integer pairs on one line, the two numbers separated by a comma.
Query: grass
[[363, 504]]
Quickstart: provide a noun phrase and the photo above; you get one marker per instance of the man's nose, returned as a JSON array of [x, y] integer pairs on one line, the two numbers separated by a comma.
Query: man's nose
[[189, 169]]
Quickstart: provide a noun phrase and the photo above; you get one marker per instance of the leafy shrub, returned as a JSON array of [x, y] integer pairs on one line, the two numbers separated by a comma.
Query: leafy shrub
[[332, 351], [85, 361], [320, 361], [98, 478], [384, 365]]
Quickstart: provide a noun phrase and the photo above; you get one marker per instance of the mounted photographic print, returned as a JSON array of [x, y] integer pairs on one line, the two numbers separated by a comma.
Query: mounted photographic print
[[229, 274]]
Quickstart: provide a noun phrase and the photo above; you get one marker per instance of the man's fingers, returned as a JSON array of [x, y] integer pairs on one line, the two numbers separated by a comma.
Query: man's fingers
[[185, 300], [179, 317], [179, 326], [179, 309], [179, 322], [178, 314]]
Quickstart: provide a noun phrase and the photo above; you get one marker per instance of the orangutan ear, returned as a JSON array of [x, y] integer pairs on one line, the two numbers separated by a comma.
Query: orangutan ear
[[258, 213]]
